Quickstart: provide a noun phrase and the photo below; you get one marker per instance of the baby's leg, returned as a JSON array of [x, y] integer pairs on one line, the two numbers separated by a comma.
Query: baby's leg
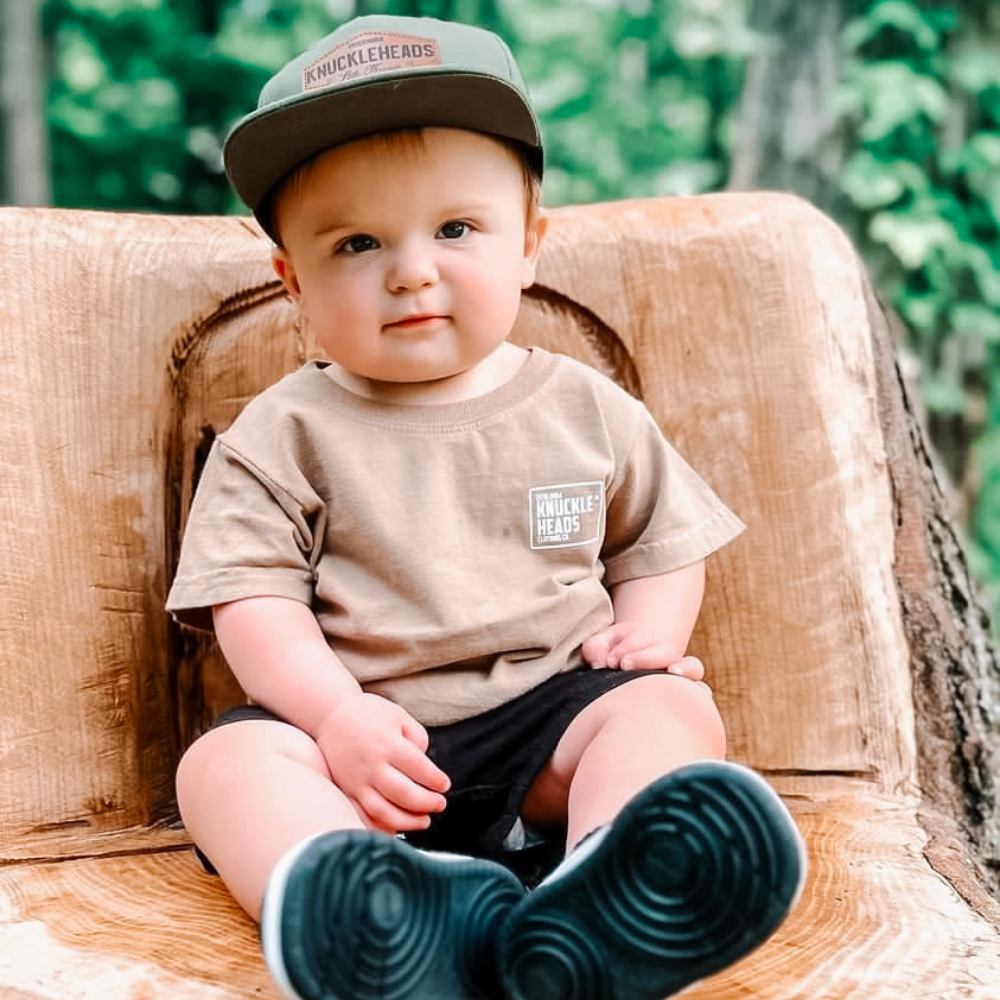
[[692, 862], [350, 913], [250, 790], [618, 745]]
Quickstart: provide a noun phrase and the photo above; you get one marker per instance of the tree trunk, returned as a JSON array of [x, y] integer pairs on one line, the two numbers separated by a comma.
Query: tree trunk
[[787, 138], [845, 652], [25, 146], [956, 674]]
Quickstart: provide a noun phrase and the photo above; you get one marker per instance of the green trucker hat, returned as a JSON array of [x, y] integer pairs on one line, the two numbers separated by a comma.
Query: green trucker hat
[[372, 74]]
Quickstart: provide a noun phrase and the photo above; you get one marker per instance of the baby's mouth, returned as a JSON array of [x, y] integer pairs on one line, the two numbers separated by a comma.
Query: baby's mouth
[[415, 322]]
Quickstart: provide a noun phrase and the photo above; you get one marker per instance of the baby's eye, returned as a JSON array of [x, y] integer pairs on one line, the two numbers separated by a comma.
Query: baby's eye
[[359, 243], [453, 230]]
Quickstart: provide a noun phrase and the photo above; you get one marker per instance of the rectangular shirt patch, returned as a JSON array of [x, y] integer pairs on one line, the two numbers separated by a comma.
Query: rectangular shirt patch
[[565, 515]]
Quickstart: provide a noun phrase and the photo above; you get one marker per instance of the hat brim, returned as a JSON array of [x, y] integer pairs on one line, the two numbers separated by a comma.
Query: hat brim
[[270, 143]]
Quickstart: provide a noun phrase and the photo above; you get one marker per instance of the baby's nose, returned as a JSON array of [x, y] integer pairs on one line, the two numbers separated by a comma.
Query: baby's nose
[[413, 267]]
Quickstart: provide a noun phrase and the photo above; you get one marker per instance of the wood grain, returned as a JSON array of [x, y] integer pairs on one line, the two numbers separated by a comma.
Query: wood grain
[[874, 922]]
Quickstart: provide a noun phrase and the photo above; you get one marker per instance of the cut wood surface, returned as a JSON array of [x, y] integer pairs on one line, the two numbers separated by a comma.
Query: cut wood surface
[[875, 922], [748, 327]]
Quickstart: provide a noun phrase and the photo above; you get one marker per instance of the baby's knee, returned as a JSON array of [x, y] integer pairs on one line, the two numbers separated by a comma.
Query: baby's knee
[[678, 704], [193, 769], [240, 751], [207, 758], [665, 689]]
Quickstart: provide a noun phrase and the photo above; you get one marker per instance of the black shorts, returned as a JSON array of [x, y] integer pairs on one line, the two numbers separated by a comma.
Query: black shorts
[[492, 760]]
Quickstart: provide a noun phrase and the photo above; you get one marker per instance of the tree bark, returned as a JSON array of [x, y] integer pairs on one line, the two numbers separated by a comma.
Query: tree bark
[[787, 138], [25, 145], [956, 673]]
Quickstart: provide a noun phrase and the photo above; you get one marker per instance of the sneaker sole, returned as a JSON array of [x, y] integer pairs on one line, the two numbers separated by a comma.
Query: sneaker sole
[[353, 915], [698, 870]]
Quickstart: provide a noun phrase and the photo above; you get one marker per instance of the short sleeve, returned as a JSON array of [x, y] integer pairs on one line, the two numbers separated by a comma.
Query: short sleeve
[[250, 533], [661, 514]]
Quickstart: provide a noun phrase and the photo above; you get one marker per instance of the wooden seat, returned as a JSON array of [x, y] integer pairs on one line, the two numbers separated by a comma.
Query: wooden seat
[[747, 325]]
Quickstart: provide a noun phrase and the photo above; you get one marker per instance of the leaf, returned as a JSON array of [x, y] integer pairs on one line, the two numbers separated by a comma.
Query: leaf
[[896, 94], [874, 183], [943, 396], [986, 145], [904, 17], [913, 239], [985, 270], [976, 70], [687, 177], [975, 320], [921, 312], [80, 64]]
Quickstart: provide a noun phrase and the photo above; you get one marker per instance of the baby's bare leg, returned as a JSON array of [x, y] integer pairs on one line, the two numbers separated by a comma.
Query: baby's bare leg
[[618, 745], [696, 863], [249, 791]]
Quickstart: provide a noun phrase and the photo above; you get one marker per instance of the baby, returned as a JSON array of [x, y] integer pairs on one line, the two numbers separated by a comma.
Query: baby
[[456, 579]]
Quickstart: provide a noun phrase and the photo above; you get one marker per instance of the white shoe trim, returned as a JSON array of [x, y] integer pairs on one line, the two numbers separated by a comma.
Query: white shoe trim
[[577, 856], [270, 917]]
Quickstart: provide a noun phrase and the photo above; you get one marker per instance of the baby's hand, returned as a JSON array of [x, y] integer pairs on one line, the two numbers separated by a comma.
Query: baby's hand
[[632, 646], [376, 752]]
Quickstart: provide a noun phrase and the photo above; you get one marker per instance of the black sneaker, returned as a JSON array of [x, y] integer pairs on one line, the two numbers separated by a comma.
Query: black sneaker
[[356, 915], [696, 871]]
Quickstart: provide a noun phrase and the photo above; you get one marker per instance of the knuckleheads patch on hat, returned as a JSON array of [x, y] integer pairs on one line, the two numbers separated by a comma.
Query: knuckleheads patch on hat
[[377, 73], [368, 53]]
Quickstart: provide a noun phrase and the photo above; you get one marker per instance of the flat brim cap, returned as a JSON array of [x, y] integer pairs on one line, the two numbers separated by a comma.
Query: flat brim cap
[[373, 74]]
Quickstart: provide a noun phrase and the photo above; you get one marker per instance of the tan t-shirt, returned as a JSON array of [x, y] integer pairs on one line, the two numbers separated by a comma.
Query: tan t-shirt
[[455, 555]]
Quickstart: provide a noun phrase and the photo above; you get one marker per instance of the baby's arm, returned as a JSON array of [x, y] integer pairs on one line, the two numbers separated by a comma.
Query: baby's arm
[[654, 619], [375, 750]]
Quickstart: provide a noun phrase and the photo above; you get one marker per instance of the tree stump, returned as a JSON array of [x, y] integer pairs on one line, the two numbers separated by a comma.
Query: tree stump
[[841, 635]]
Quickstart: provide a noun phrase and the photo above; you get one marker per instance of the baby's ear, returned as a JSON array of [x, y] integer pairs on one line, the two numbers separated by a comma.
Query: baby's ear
[[534, 234], [281, 261]]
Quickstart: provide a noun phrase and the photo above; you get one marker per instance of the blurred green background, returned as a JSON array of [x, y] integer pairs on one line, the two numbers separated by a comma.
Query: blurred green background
[[885, 113]]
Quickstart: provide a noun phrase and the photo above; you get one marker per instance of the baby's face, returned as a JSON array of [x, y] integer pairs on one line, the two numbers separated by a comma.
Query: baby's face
[[408, 257]]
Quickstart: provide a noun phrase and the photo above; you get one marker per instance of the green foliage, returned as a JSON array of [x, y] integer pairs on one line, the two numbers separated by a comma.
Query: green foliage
[[139, 97], [635, 98], [921, 93]]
